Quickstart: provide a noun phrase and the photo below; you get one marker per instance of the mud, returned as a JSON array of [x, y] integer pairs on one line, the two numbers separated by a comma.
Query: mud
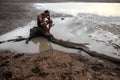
[[52, 65]]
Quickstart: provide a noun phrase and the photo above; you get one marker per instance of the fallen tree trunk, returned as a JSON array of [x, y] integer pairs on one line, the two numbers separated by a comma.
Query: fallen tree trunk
[[85, 49]]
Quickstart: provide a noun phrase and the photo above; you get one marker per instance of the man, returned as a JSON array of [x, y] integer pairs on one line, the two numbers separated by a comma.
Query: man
[[44, 22]]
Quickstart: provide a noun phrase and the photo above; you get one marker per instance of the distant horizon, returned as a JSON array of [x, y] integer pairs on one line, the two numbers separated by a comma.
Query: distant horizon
[[47, 1]]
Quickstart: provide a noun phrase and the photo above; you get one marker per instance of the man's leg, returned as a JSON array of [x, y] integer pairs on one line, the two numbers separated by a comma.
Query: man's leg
[[50, 24], [45, 29]]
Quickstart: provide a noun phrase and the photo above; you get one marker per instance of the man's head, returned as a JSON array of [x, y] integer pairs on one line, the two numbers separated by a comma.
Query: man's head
[[47, 13]]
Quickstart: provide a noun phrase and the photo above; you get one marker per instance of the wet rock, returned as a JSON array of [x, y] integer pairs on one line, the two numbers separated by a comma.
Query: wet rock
[[117, 70], [97, 67], [84, 71], [36, 70], [62, 18], [97, 77], [4, 63], [7, 74], [4, 57], [39, 72], [66, 76], [43, 74], [62, 65], [18, 55], [19, 37], [44, 58], [78, 72], [82, 59], [17, 79]]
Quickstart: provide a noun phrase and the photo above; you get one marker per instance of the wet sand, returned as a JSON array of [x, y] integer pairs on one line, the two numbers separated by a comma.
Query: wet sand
[[54, 65]]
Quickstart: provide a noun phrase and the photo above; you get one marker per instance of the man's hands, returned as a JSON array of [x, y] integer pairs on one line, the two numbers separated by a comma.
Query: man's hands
[[44, 23], [48, 17]]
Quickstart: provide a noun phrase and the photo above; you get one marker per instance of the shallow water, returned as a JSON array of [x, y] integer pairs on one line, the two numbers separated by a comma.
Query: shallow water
[[85, 32], [21, 31], [83, 28], [36, 45], [66, 29]]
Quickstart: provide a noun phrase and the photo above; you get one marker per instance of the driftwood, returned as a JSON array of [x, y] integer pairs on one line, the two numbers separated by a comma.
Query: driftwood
[[34, 32], [2, 42], [85, 49]]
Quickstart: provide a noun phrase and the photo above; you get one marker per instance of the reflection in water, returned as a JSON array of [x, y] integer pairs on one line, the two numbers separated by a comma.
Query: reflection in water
[[43, 43], [37, 45], [20, 31]]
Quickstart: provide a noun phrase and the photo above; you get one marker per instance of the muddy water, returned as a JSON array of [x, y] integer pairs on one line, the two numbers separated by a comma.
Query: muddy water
[[82, 28]]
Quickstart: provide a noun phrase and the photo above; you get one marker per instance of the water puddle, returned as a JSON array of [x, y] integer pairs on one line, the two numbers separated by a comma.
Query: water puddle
[[36, 45]]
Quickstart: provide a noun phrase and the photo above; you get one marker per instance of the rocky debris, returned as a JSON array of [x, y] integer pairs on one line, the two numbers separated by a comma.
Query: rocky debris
[[18, 55]]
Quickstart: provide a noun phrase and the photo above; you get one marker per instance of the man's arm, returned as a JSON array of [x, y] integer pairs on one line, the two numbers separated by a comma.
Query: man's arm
[[48, 17], [39, 18]]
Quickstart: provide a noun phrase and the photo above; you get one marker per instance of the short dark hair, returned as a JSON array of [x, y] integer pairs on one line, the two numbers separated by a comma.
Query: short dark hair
[[46, 11]]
